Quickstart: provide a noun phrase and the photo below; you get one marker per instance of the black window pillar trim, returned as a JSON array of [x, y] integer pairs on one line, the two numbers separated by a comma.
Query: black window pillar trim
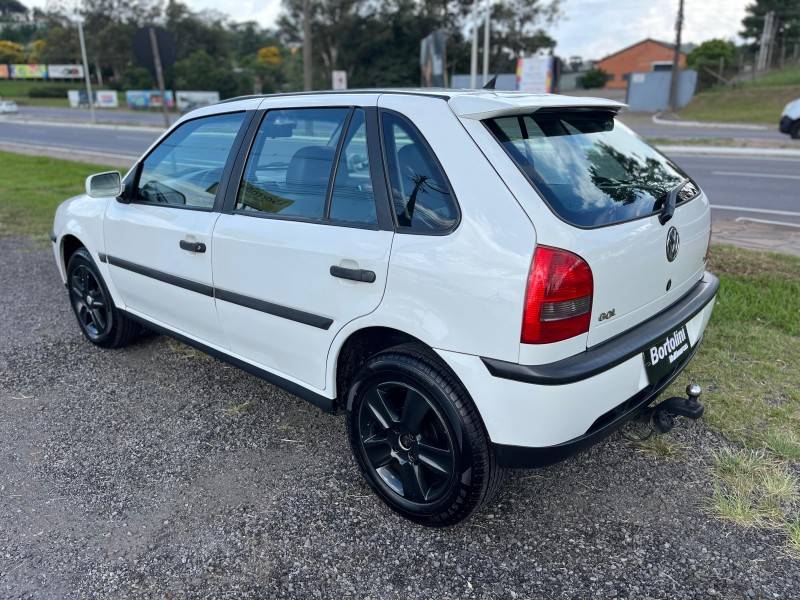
[[234, 182]]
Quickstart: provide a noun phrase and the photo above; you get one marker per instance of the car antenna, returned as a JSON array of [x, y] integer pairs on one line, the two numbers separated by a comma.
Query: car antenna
[[489, 85]]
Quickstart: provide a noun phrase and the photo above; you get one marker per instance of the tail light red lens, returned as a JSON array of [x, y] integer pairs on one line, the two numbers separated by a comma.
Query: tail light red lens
[[558, 301]]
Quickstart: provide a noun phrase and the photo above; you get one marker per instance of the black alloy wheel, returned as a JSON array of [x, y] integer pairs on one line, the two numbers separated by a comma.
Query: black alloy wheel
[[406, 441], [89, 303], [418, 438], [101, 322]]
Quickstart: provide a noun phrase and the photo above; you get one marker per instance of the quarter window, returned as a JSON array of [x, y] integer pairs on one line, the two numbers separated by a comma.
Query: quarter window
[[421, 194], [186, 168], [290, 164]]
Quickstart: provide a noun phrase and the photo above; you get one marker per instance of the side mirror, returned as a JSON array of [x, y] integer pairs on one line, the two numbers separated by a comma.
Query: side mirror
[[103, 185]]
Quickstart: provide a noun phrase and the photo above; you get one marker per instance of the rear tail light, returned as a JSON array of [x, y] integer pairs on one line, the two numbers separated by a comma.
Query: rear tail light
[[558, 301]]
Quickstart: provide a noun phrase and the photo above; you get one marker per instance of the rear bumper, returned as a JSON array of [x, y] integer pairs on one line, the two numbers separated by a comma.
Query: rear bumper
[[615, 351], [524, 457], [540, 414]]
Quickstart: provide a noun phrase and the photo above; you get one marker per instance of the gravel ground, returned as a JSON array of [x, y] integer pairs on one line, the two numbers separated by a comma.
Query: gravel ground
[[155, 471]]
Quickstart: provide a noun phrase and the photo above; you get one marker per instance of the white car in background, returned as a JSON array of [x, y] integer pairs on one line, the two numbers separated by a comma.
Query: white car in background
[[8, 107], [479, 280], [790, 119]]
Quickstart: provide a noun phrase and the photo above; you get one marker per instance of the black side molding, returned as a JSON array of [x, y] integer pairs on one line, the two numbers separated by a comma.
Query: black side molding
[[274, 309], [187, 284], [614, 351], [278, 310], [318, 400]]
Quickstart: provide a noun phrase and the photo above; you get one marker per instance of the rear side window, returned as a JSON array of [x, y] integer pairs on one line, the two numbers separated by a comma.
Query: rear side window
[[590, 169], [291, 162], [423, 202], [186, 168]]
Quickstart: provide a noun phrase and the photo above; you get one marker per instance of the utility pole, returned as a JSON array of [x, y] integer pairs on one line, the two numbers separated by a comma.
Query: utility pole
[[676, 58], [89, 95], [159, 73], [765, 44], [473, 62], [486, 30], [307, 74]]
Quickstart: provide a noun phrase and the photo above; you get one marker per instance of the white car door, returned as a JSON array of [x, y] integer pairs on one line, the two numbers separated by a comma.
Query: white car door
[[303, 245], [158, 238]]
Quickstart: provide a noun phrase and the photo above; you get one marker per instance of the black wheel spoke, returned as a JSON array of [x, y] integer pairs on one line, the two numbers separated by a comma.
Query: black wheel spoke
[[436, 459], [98, 318], [379, 450], [414, 410], [414, 487], [379, 410]]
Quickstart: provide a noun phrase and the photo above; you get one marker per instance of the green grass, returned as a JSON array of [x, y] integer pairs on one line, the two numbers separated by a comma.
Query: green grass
[[753, 490], [32, 187], [758, 101]]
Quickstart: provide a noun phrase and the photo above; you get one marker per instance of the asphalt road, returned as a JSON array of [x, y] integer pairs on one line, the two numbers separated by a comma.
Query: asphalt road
[[156, 472], [121, 117], [739, 187]]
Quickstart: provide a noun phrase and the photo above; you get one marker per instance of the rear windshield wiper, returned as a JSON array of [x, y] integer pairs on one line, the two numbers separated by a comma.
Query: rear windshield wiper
[[669, 205]]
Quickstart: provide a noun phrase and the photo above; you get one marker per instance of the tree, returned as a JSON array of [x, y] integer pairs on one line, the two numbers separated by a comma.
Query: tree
[[593, 78], [709, 54], [11, 52], [12, 9], [200, 71]]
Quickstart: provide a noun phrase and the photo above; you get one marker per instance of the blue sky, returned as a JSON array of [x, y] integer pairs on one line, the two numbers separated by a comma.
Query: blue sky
[[589, 28]]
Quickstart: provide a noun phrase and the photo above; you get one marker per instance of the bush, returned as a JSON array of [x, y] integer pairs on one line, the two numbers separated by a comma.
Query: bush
[[47, 91], [593, 78]]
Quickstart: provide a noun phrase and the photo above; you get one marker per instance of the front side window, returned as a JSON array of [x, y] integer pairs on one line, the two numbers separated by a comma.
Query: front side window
[[590, 169], [421, 195], [186, 168], [291, 162]]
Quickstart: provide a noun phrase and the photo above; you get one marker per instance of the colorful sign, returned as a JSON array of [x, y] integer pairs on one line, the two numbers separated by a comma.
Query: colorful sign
[[535, 74], [64, 71], [106, 99], [4, 72], [139, 99], [28, 71]]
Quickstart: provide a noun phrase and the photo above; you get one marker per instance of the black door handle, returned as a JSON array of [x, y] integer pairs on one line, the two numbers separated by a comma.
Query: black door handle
[[353, 274], [192, 246]]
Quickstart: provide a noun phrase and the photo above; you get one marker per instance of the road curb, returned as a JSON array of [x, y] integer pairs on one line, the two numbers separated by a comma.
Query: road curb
[[711, 124], [728, 151], [101, 158], [82, 124]]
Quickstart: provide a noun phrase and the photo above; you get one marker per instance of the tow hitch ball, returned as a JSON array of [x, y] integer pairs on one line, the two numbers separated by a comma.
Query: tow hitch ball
[[663, 417]]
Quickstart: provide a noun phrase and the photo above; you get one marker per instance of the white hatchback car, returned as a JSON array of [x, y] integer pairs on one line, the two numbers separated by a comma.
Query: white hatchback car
[[480, 280]]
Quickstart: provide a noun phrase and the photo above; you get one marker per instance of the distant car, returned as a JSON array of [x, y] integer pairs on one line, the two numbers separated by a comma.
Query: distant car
[[479, 280], [790, 119], [8, 107]]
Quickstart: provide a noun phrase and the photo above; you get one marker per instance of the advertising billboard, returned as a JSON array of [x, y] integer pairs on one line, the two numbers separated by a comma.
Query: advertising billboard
[[28, 71], [64, 71], [535, 74], [189, 100], [102, 98], [4, 72], [138, 99]]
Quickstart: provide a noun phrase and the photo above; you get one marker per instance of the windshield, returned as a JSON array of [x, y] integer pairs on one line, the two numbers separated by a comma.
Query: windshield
[[590, 169]]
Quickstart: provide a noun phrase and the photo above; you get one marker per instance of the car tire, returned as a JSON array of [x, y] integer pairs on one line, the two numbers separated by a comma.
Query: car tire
[[100, 321], [794, 132], [418, 438]]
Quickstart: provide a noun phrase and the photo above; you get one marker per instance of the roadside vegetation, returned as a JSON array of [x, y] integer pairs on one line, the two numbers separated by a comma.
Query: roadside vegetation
[[749, 363], [757, 101]]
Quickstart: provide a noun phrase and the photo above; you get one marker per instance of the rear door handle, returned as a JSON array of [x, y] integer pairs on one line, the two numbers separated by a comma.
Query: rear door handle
[[192, 246], [353, 274]]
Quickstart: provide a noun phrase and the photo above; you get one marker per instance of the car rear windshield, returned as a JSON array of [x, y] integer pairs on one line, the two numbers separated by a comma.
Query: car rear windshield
[[590, 169]]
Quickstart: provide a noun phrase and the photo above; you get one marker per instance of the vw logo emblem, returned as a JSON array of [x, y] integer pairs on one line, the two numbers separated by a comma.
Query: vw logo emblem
[[673, 242]]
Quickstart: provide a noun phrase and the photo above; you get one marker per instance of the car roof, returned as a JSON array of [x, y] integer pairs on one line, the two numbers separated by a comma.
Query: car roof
[[471, 103]]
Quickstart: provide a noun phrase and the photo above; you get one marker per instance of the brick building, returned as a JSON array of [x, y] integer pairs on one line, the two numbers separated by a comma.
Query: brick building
[[644, 56]]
